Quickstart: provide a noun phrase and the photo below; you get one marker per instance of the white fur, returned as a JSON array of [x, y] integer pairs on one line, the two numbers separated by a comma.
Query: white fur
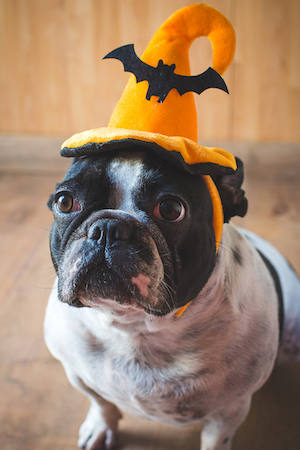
[[205, 364], [125, 175]]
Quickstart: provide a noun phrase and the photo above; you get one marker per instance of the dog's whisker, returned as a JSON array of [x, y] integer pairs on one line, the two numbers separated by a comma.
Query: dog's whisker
[[171, 293], [166, 284], [45, 269]]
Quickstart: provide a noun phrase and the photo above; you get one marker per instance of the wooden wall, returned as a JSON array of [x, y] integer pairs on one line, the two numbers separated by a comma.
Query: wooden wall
[[53, 79]]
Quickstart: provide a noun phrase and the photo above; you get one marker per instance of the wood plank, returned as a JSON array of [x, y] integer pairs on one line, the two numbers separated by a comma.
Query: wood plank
[[266, 87], [53, 79], [32, 154]]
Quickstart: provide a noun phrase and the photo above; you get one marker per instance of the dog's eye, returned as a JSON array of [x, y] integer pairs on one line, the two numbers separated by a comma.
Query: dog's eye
[[171, 210], [67, 204]]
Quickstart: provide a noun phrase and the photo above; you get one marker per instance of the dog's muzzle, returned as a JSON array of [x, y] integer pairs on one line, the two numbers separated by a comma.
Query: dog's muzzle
[[114, 256]]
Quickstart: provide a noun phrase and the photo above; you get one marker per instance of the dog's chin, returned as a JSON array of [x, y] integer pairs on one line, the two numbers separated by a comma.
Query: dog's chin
[[122, 305], [115, 299], [111, 293], [128, 311]]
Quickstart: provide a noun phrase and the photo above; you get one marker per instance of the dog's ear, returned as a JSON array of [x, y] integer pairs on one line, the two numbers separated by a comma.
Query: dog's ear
[[233, 197]]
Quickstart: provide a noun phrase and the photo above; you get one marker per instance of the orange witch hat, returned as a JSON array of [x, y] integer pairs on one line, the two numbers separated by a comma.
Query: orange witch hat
[[169, 126], [171, 44]]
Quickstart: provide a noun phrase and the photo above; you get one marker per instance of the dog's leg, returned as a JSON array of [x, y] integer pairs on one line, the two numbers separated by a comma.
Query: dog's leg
[[99, 431], [219, 427], [100, 428]]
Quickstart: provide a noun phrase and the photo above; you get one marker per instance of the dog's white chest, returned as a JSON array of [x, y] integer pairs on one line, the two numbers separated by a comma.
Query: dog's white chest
[[148, 382], [151, 390]]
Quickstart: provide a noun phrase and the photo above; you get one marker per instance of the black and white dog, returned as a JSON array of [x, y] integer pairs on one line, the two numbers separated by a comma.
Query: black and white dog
[[132, 242]]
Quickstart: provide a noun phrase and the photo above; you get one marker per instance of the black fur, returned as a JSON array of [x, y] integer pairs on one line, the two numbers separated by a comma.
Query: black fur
[[233, 197]]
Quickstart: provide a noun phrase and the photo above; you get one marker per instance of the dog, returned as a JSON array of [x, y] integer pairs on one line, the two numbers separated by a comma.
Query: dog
[[132, 243]]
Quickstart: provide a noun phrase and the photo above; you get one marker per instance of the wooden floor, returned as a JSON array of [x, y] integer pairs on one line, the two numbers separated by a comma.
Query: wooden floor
[[39, 410]]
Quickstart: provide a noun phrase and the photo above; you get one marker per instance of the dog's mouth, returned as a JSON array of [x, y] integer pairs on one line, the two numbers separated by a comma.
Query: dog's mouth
[[102, 287], [90, 277]]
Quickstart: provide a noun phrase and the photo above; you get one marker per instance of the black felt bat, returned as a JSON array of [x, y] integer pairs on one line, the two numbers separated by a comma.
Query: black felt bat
[[162, 78]]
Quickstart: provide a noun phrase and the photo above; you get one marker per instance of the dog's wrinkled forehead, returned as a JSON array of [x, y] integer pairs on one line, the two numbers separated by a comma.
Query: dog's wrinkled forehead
[[125, 177]]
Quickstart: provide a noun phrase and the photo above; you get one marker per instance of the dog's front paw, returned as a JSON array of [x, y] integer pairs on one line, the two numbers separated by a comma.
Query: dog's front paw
[[97, 438], [99, 431]]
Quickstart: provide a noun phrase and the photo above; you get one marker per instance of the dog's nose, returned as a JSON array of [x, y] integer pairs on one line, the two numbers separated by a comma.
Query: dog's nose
[[110, 230]]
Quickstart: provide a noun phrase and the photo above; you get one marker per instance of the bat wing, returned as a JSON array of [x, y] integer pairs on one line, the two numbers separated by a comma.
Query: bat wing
[[199, 83], [132, 63]]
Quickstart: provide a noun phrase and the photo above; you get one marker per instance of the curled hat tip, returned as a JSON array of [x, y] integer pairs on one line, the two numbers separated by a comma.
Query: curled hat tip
[[198, 20]]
